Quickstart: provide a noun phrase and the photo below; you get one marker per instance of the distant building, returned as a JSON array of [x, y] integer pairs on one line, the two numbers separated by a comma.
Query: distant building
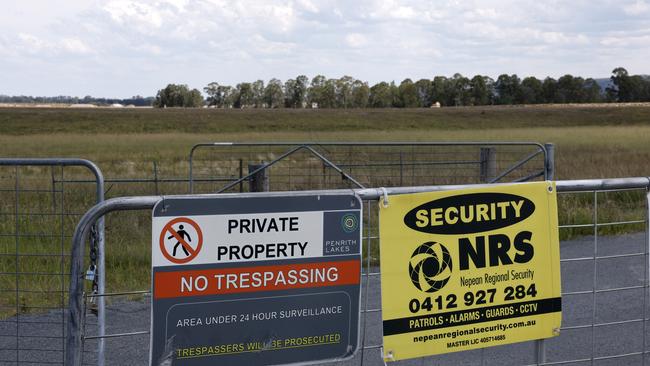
[[82, 105], [314, 105], [435, 105]]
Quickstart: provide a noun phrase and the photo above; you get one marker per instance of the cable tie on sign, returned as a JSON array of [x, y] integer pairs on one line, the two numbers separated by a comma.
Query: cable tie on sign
[[387, 356], [384, 201], [164, 208]]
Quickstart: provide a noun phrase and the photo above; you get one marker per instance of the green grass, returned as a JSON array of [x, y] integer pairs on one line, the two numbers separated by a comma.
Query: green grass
[[591, 142], [23, 121]]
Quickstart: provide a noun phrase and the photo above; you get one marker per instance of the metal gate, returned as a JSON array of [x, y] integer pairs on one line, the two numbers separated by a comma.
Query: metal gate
[[604, 263], [38, 210], [263, 166]]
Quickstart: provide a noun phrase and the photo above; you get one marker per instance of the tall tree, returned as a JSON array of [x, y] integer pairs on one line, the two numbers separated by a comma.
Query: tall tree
[[215, 97], [592, 91], [620, 90], [344, 91], [479, 91], [300, 91], [360, 94], [570, 89], [439, 90], [246, 96], [273, 94], [531, 91], [549, 90], [315, 92], [380, 95], [423, 90], [178, 96], [329, 93], [257, 88], [396, 100], [508, 89], [408, 94], [629, 88], [290, 94], [460, 90]]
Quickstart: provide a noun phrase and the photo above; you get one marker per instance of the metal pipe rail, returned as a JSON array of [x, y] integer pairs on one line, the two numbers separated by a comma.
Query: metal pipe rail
[[546, 149], [99, 180], [74, 341]]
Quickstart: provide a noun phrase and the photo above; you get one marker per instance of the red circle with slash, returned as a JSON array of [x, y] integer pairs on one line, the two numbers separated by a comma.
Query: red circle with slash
[[168, 228]]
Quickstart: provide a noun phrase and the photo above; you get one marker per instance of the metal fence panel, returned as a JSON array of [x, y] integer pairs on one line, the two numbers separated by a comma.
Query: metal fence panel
[[38, 214], [604, 263], [228, 167]]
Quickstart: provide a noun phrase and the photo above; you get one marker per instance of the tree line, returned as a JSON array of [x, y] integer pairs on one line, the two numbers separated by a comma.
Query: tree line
[[458, 90], [348, 92], [138, 101]]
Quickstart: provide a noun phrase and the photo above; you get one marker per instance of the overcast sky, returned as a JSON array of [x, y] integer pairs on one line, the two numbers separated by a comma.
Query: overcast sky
[[120, 48]]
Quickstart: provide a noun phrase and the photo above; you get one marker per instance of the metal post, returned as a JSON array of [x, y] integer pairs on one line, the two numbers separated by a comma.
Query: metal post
[[155, 176], [241, 175], [401, 169], [74, 342], [540, 352], [258, 182], [488, 164], [549, 164], [646, 280]]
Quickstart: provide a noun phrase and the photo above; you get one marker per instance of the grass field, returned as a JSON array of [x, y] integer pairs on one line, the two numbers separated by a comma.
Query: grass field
[[591, 142]]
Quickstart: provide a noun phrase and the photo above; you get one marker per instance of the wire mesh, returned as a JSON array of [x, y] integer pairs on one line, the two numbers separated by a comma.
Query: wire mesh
[[38, 214], [225, 167]]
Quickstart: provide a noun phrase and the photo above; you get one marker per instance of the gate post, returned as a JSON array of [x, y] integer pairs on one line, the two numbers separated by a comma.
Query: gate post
[[258, 182], [488, 164], [549, 164]]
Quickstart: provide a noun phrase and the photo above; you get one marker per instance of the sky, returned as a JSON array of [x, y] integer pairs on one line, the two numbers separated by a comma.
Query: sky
[[122, 48]]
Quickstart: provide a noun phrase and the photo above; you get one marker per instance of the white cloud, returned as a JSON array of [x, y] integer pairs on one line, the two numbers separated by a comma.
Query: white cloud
[[140, 15], [356, 40], [391, 9], [309, 6], [152, 49], [639, 7], [33, 45], [267, 47], [179, 4], [74, 45], [641, 41], [283, 15], [559, 38], [231, 41]]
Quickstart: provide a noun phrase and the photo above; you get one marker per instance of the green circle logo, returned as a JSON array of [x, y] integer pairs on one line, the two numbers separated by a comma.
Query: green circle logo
[[349, 223]]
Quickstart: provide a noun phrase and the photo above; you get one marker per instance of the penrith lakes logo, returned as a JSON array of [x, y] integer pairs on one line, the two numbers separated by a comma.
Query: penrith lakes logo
[[349, 223], [430, 267]]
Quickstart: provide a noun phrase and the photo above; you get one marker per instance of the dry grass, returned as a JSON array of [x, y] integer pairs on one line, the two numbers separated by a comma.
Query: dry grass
[[590, 143]]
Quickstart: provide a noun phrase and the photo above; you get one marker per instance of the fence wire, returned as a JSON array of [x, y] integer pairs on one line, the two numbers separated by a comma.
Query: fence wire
[[225, 167], [604, 264], [38, 214]]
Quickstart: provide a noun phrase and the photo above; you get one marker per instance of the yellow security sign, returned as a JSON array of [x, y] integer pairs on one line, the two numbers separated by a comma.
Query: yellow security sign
[[469, 269]]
